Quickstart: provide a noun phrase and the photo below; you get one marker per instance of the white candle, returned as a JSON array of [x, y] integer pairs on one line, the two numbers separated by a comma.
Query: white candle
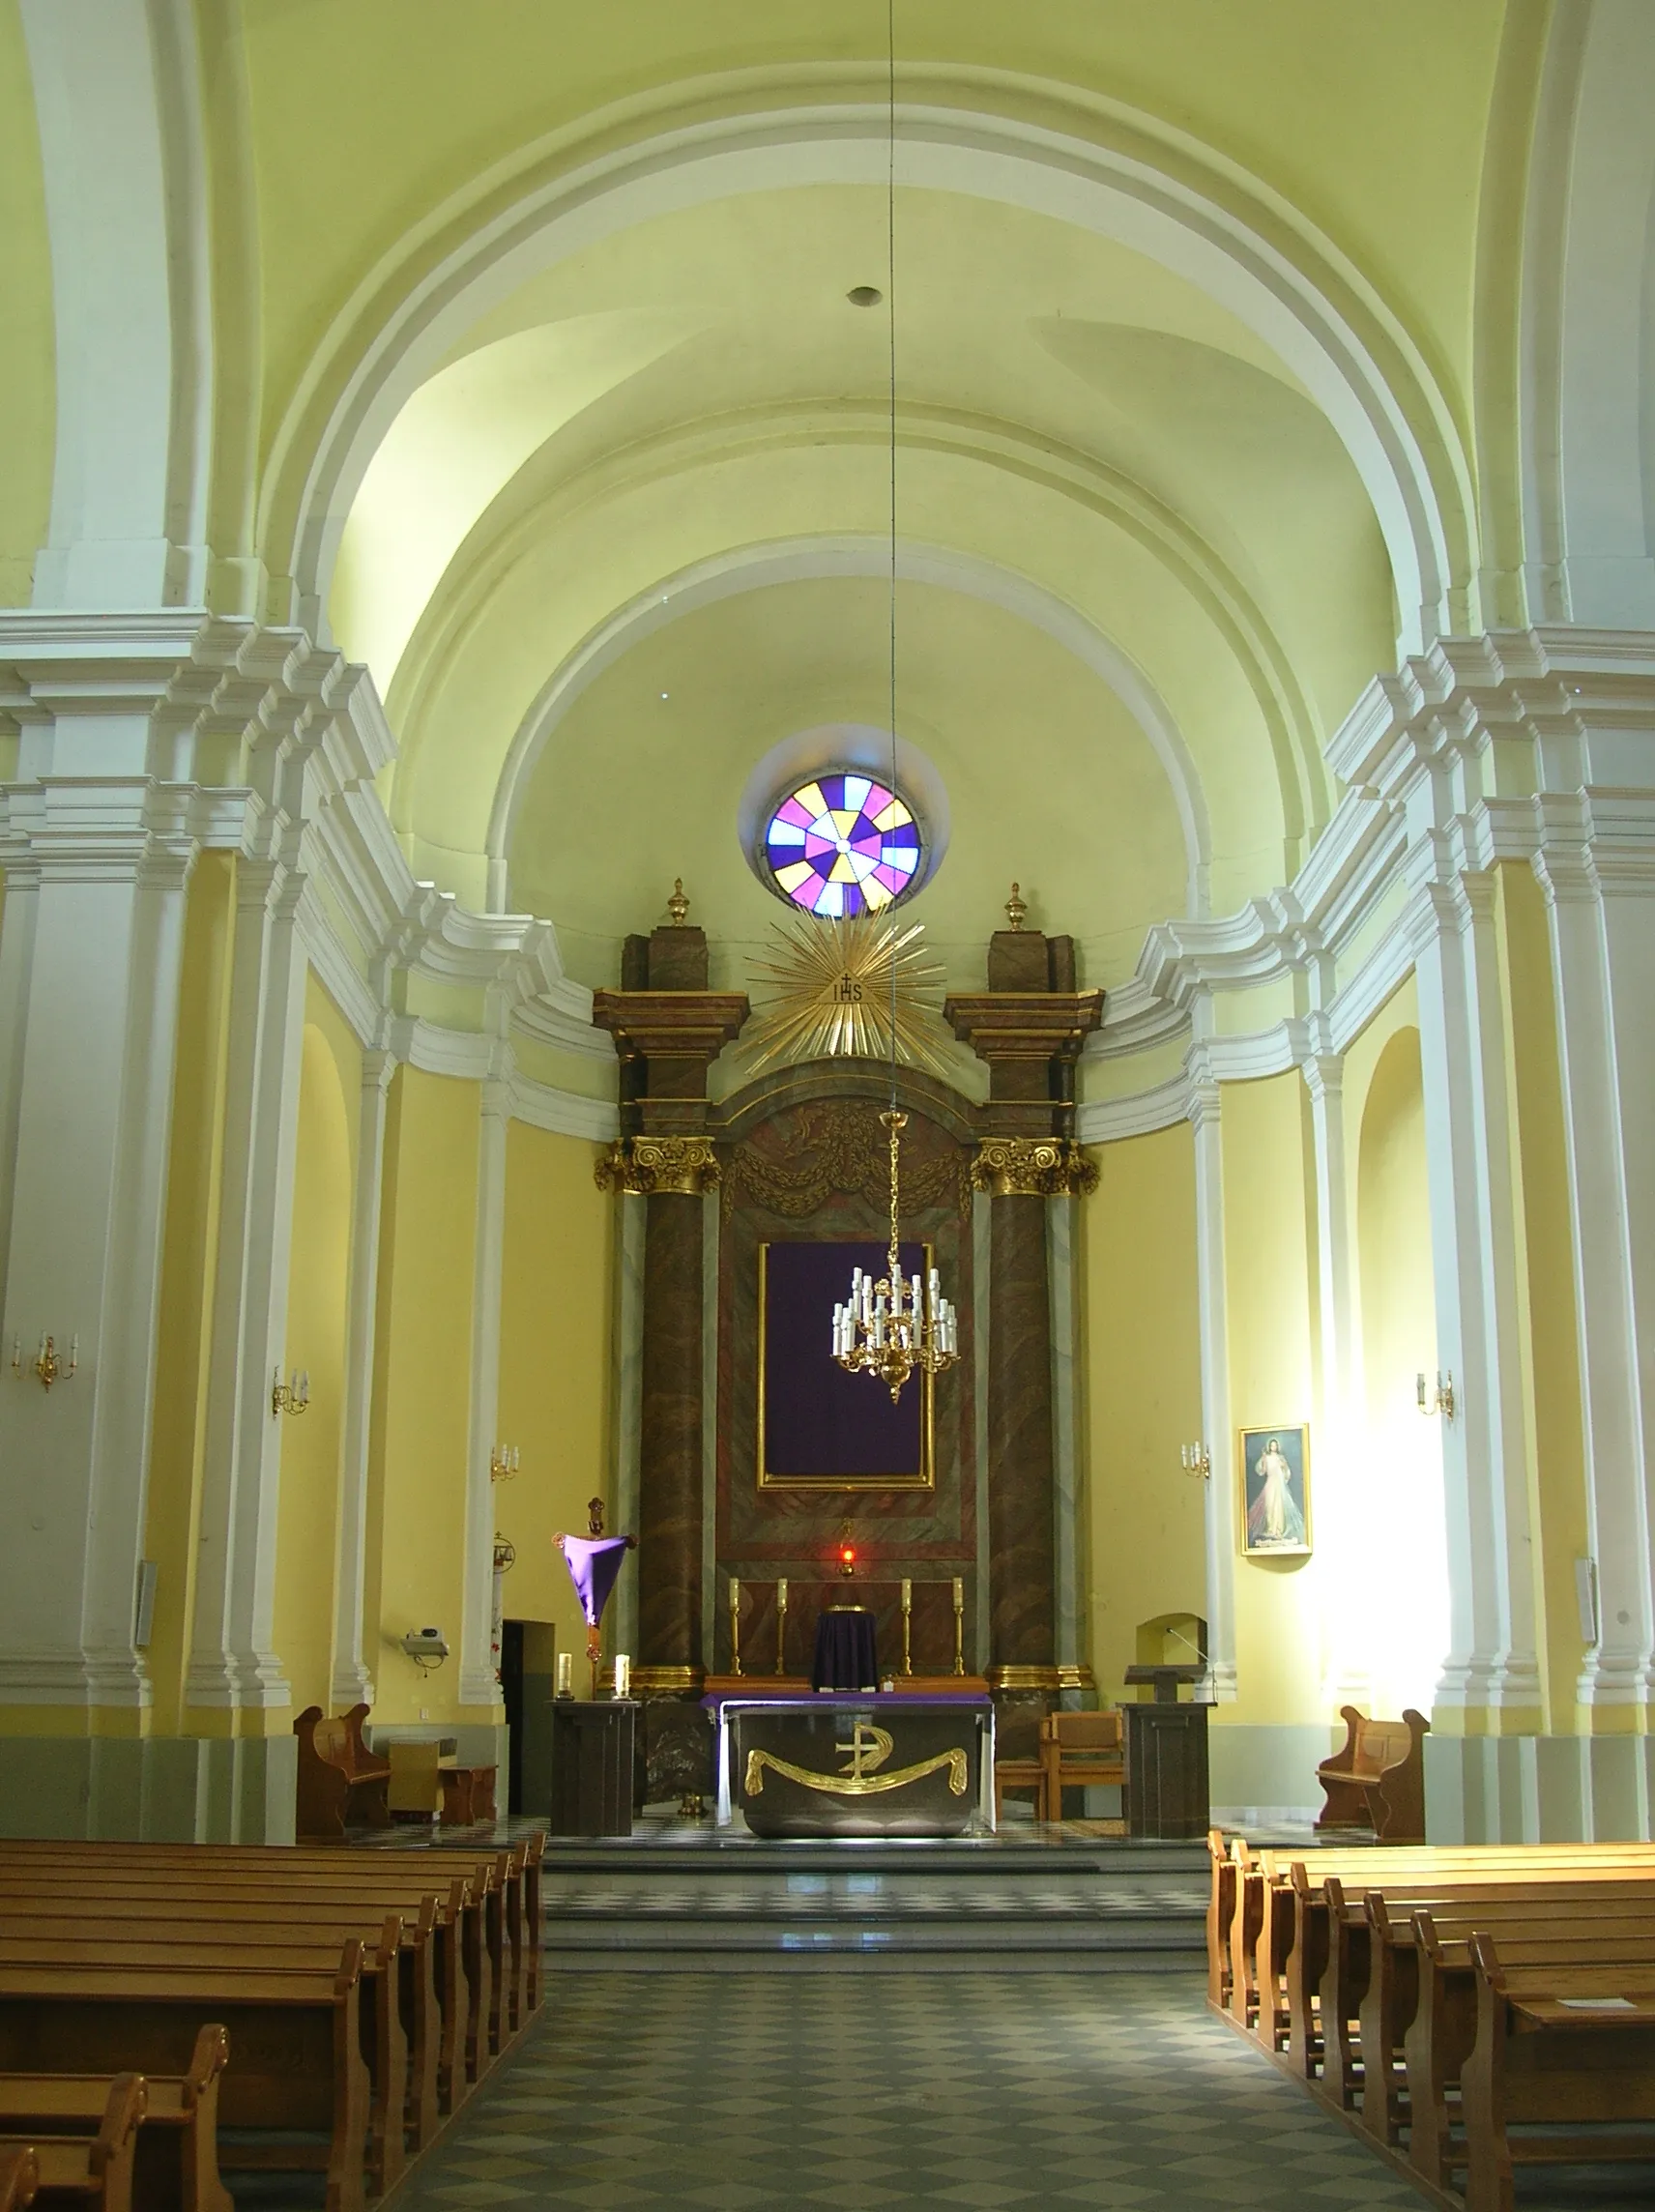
[[781, 1593], [623, 1675], [959, 1594], [566, 1674], [907, 1594]]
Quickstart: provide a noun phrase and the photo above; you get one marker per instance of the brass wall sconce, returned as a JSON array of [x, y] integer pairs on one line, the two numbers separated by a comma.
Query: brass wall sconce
[[504, 1460], [290, 1396], [46, 1367], [1442, 1399], [1197, 1460]]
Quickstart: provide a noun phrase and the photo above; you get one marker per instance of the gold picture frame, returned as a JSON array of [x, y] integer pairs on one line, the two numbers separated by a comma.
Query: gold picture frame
[[1275, 1499], [925, 1479]]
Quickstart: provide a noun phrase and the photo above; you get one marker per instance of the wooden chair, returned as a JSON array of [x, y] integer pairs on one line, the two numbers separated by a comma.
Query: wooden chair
[[1019, 1774], [1078, 1750], [1376, 1780], [341, 1783]]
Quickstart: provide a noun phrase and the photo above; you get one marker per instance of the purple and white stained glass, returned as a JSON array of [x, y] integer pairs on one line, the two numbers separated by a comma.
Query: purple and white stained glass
[[843, 845]]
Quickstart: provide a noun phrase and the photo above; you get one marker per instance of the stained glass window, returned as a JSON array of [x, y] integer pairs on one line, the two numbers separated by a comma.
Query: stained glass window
[[842, 845]]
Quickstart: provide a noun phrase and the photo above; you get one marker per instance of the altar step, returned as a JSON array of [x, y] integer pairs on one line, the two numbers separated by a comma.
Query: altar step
[[937, 1908]]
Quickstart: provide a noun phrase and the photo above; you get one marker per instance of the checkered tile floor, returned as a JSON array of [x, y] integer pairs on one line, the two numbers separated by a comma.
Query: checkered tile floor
[[861, 1895], [974, 2090]]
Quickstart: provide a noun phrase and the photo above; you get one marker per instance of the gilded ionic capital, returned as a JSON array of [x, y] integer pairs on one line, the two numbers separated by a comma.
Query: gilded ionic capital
[[647, 1167], [1032, 1167]]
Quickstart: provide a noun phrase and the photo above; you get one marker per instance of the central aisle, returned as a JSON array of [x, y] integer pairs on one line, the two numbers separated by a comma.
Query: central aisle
[[966, 2089]]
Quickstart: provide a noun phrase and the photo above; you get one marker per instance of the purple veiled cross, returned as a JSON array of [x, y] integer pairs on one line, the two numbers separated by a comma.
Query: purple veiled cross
[[594, 1562]]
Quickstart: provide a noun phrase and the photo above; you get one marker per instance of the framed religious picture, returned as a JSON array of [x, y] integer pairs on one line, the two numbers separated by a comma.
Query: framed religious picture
[[1275, 1490], [821, 1428]]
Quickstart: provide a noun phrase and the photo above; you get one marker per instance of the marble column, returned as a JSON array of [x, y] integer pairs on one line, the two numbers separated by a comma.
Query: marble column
[[669, 1027], [1021, 1500], [670, 1432]]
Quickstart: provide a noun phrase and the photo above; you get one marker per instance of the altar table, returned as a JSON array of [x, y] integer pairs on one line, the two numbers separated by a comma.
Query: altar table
[[873, 1763]]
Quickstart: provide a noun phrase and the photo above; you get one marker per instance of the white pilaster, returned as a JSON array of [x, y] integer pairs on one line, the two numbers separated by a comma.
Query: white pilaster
[[480, 1682], [231, 1661], [1340, 1505], [1600, 907], [1205, 1115], [89, 979], [1492, 1663], [352, 1684]]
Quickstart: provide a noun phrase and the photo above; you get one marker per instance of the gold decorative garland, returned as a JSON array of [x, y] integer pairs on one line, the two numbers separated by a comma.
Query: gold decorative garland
[[845, 1150]]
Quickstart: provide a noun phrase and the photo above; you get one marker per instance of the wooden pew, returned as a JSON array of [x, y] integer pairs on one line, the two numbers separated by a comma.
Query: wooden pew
[[20, 2176], [1263, 1917], [507, 1878], [200, 1945], [491, 1969], [341, 1783], [94, 2168], [298, 2039], [1544, 2052], [1376, 1779], [177, 2145]]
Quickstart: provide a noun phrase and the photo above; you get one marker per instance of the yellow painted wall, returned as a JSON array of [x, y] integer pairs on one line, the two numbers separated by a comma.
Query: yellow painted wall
[[1270, 1294], [556, 1362], [1141, 1394], [1553, 1438], [195, 1183], [28, 407], [422, 1387], [316, 1343], [1401, 1452]]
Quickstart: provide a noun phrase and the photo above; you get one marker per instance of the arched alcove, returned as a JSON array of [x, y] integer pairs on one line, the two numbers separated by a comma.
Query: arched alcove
[[1399, 1456]]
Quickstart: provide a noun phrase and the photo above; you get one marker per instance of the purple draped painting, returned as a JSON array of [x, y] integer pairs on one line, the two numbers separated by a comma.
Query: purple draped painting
[[819, 1425]]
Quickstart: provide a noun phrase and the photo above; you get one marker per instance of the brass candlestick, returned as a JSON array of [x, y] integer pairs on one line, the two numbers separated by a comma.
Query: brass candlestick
[[907, 1626], [959, 1626], [735, 1626], [781, 1627]]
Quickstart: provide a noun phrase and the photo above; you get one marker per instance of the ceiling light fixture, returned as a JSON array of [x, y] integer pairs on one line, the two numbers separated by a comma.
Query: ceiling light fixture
[[891, 1327], [864, 295]]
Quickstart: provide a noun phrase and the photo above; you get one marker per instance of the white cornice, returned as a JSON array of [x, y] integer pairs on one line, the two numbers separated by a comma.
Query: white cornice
[[561, 1112]]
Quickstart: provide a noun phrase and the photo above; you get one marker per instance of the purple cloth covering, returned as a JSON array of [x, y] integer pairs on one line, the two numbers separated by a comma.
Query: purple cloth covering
[[594, 1562]]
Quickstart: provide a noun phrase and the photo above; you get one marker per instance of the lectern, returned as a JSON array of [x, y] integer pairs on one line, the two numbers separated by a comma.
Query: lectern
[[1166, 1758]]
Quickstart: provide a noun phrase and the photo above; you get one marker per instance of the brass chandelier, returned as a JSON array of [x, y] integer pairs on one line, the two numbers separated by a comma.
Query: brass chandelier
[[893, 1325]]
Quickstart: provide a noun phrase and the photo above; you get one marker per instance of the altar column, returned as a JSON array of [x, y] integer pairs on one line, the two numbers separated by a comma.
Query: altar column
[[669, 1027], [1028, 1027]]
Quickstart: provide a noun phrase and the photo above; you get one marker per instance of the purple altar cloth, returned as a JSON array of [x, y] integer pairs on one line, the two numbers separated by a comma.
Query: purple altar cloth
[[594, 1562]]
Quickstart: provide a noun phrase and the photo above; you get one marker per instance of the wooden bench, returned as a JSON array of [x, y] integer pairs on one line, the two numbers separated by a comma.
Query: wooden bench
[[1251, 1912], [177, 2158], [341, 1783], [20, 2176], [1078, 1750], [1376, 1779], [502, 1920], [298, 2037], [94, 2168], [1565, 2038]]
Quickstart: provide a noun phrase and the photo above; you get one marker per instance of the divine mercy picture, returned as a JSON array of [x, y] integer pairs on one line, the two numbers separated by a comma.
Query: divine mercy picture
[[1275, 1490]]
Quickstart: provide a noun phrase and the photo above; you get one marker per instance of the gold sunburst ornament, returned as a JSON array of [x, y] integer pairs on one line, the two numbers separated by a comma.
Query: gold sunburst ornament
[[861, 989]]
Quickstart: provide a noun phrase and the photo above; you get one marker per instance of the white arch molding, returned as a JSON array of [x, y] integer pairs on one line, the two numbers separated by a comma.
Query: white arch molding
[[754, 567], [1293, 290]]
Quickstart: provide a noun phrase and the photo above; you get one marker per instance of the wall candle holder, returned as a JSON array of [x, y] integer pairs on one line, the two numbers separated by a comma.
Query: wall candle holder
[[1442, 1399], [46, 1367], [782, 1625], [504, 1460], [1196, 1459], [959, 1625], [735, 1626], [290, 1396], [907, 1626]]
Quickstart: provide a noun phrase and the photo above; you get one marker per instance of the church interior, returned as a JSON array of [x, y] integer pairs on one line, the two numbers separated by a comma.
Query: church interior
[[827, 939]]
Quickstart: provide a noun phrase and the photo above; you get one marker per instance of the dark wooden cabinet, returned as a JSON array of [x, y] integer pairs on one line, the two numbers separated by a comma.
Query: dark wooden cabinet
[[1166, 1770], [592, 1766]]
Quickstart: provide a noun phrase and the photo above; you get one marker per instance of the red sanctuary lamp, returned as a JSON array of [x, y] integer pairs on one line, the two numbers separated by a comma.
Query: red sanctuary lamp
[[847, 1559]]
